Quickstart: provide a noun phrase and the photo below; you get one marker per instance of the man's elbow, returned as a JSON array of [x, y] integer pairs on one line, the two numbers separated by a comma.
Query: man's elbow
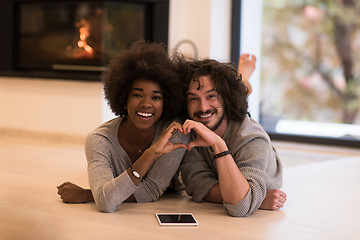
[[233, 200], [234, 197], [238, 212], [242, 208]]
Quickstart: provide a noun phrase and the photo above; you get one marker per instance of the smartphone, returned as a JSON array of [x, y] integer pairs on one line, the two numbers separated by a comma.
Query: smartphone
[[176, 219]]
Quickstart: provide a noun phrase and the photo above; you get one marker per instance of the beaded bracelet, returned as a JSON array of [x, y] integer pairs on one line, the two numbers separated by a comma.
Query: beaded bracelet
[[224, 153]]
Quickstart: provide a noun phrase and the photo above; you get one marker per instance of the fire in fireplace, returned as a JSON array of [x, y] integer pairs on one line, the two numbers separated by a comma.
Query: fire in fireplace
[[79, 36]]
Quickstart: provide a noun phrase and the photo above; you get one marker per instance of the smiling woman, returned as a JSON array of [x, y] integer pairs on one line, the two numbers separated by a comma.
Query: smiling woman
[[135, 156], [144, 103]]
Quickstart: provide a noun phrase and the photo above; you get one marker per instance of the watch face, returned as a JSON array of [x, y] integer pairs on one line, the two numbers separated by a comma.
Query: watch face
[[136, 174]]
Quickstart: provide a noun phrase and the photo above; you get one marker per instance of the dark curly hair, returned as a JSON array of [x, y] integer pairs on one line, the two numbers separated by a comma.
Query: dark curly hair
[[144, 60], [226, 80]]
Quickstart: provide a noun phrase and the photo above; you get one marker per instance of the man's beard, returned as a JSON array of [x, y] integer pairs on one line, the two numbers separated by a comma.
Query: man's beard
[[217, 125]]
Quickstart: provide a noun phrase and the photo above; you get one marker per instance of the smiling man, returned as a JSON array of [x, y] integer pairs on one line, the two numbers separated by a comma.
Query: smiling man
[[231, 159]]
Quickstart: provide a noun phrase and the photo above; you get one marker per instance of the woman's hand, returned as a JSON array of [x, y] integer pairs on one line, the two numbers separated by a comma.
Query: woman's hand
[[163, 145], [72, 193]]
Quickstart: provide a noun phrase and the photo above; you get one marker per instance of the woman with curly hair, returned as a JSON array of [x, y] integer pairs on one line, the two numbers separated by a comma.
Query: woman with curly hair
[[134, 156]]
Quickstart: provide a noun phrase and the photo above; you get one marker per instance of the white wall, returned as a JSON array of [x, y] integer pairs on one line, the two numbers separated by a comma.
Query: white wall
[[50, 106], [75, 108], [206, 23]]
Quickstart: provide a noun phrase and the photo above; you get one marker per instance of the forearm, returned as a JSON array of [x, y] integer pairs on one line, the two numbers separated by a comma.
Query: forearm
[[254, 162], [159, 176], [110, 193], [233, 186], [143, 164], [163, 146], [214, 195], [131, 198], [88, 195]]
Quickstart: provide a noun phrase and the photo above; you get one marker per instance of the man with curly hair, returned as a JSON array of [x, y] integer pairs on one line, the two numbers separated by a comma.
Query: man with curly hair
[[231, 159]]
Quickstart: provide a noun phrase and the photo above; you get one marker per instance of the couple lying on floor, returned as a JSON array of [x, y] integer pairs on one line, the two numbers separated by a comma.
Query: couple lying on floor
[[223, 155]]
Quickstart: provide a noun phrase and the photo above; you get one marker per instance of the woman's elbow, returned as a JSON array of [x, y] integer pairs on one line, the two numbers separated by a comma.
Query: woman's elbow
[[149, 198], [107, 208]]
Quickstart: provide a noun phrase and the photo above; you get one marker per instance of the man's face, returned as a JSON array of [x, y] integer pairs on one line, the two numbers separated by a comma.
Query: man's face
[[205, 104]]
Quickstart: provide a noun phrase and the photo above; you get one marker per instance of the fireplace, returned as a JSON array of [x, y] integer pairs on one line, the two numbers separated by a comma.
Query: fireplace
[[74, 39]]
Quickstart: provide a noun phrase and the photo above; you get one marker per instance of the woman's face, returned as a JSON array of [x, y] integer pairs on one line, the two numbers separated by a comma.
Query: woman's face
[[144, 103]]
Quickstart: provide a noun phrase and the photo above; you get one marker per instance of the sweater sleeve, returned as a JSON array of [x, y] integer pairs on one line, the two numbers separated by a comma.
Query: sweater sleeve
[[108, 191], [159, 176], [255, 160], [197, 175]]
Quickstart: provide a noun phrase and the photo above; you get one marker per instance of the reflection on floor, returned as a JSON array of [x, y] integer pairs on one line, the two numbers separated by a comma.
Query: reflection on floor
[[293, 154]]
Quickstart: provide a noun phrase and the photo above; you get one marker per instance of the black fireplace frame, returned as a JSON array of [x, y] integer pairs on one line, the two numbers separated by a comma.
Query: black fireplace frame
[[159, 16]]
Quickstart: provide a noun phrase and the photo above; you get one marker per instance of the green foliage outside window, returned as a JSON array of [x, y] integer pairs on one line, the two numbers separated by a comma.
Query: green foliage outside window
[[311, 60]]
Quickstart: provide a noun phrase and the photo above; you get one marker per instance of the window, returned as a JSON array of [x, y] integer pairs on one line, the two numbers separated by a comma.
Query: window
[[307, 79]]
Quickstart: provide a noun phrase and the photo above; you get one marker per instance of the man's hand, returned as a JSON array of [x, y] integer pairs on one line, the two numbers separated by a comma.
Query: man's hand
[[274, 200], [204, 136]]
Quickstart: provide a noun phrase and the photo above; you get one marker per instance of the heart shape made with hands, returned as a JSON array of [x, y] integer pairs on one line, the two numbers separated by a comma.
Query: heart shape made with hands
[[204, 137]]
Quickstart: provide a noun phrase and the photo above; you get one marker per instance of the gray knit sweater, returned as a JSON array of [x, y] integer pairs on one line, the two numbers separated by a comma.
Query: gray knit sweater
[[107, 163], [255, 157]]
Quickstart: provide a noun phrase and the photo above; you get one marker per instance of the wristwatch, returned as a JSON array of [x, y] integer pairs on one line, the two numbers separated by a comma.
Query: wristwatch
[[135, 173]]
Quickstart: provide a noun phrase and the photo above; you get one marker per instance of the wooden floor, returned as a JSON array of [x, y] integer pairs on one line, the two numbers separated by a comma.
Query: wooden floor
[[293, 154], [322, 183]]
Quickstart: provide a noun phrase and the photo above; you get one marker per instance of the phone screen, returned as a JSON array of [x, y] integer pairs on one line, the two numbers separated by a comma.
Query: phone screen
[[176, 219]]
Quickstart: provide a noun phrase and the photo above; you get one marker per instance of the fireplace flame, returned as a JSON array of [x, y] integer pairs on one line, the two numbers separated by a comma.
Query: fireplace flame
[[84, 33]]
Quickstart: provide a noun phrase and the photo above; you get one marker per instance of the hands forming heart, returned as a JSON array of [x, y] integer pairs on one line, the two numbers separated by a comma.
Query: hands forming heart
[[204, 137]]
